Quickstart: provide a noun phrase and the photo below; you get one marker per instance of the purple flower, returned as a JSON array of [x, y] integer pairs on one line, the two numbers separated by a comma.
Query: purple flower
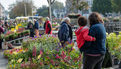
[[40, 35], [70, 42], [54, 55], [57, 50], [35, 37]]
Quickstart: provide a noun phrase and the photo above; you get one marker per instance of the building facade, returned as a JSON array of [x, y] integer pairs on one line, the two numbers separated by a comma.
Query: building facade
[[1, 11]]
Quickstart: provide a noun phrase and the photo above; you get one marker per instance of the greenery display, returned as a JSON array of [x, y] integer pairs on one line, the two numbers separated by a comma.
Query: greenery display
[[114, 44], [43, 52], [16, 35]]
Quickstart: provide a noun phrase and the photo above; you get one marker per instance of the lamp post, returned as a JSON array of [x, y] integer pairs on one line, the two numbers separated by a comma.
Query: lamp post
[[25, 10], [50, 2]]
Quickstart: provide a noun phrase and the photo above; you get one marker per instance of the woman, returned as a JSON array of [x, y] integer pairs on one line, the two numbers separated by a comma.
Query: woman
[[36, 27], [65, 34], [48, 26], [94, 51], [30, 27]]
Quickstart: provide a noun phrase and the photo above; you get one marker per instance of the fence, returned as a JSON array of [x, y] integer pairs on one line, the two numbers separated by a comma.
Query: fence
[[112, 27]]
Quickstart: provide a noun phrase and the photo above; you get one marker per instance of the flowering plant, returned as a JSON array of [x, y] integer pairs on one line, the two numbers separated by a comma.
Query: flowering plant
[[46, 52]]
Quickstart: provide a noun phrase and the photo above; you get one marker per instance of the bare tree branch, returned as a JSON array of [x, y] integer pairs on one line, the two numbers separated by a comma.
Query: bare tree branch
[[52, 1], [48, 1]]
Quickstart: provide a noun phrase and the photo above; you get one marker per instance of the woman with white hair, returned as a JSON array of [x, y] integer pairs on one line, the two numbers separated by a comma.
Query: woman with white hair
[[65, 32], [48, 26]]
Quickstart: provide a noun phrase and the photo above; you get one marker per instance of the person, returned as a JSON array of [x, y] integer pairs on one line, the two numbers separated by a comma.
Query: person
[[40, 22], [65, 32], [94, 52], [48, 26], [1, 31], [82, 32], [36, 28], [31, 28]]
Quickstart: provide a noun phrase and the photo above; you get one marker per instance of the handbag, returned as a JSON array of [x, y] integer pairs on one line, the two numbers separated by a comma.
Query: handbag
[[107, 59]]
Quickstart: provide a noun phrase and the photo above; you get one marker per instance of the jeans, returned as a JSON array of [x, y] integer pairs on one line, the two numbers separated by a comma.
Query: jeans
[[92, 62]]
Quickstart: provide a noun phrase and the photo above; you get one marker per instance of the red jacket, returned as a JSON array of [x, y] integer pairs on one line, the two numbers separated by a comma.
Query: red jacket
[[82, 36], [47, 28]]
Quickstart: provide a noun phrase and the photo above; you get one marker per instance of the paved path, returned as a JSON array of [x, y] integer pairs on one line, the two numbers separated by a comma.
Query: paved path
[[3, 61]]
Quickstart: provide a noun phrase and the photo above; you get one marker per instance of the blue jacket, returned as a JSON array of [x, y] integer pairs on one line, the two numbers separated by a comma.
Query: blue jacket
[[97, 47], [36, 26], [63, 33]]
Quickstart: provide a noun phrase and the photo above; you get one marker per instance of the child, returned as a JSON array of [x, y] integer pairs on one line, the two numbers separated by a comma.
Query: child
[[82, 32]]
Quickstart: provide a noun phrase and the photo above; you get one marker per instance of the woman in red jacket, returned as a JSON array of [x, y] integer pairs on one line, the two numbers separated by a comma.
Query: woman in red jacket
[[48, 26], [82, 32]]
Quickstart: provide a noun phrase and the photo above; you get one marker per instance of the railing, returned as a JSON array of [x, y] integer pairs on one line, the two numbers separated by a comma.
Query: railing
[[113, 27], [4, 46]]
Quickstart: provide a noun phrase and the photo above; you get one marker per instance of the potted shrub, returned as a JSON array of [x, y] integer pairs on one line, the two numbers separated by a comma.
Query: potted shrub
[[7, 38], [15, 35], [11, 36]]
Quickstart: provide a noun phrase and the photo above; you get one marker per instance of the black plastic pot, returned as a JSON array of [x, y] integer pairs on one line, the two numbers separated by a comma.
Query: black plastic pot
[[120, 64], [116, 61]]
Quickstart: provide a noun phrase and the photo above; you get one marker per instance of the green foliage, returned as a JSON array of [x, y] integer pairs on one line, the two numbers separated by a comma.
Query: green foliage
[[114, 44], [49, 54], [83, 6], [57, 5], [43, 11], [102, 6], [116, 4]]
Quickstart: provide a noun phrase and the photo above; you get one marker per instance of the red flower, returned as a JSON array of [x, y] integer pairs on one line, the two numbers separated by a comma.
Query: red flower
[[63, 55], [57, 56]]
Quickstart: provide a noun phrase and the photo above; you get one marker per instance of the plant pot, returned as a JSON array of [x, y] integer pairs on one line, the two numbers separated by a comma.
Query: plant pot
[[120, 64], [116, 61]]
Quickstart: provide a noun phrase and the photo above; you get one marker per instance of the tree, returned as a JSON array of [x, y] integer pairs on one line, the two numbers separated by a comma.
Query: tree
[[21, 8], [75, 5], [116, 4], [43, 11], [83, 6], [57, 5], [102, 6]]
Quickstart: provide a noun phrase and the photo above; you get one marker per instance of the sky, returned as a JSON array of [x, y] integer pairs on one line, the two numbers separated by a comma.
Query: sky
[[37, 3]]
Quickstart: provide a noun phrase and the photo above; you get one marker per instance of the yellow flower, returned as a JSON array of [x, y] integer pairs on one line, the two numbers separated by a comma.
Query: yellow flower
[[19, 60], [39, 57], [10, 66], [14, 66], [15, 53], [19, 24]]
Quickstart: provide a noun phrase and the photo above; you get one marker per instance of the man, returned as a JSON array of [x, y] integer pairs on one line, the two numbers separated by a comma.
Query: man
[[65, 32], [48, 26]]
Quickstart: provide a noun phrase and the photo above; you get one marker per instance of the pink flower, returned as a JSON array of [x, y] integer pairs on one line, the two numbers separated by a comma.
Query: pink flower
[[69, 57], [40, 63], [57, 56], [22, 65], [34, 51], [63, 55], [41, 52]]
